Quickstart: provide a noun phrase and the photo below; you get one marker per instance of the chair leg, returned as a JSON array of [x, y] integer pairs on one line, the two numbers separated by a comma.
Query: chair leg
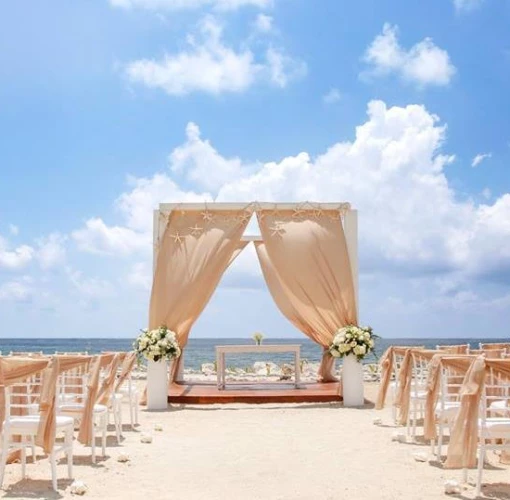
[[53, 461], [131, 413], [3, 456], [481, 459], [137, 404], [69, 449], [23, 461], [440, 441], [103, 441], [464, 475], [116, 421], [93, 443]]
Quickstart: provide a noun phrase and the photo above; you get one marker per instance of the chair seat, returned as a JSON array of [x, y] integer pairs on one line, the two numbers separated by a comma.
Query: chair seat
[[449, 411], [27, 422], [501, 405], [78, 407], [419, 395], [496, 427]]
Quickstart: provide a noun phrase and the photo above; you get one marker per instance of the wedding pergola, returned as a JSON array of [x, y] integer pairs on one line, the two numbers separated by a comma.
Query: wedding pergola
[[307, 251]]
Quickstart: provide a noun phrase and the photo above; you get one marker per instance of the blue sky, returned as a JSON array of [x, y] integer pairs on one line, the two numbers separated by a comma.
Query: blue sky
[[109, 107]]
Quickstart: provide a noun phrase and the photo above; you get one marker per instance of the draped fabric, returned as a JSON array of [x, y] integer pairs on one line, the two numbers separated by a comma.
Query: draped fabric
[[495, 345], [458, 364], [108, 383], [47, 406], [387, 364], [194, 252], [306, 266], [454, 349], [464, 435], [127, 367], [85, 431]]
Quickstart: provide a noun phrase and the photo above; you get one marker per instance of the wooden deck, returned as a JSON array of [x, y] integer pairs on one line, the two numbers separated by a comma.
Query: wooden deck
[[203, 393]]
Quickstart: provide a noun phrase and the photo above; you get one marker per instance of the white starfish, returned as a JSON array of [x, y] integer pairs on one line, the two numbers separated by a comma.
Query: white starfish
[[177, 237], [245, 217], [276, 230], [317, 213], [207, 216], [196, 230]]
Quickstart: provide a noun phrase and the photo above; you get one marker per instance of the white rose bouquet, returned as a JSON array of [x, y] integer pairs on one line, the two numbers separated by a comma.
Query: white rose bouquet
[[157, 344], [353, 339]]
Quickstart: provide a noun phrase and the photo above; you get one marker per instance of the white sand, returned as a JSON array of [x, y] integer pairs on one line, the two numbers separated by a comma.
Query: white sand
[[307, 451]]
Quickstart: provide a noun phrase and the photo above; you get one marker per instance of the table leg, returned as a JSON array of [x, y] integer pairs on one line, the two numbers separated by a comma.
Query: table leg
[[297, 369], [223, 368], [218, 369]]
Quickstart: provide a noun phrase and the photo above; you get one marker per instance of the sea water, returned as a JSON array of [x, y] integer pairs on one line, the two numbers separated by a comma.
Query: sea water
[[199, 351]]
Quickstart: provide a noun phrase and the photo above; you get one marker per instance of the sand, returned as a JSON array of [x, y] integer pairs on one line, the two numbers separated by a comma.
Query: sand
[[305, 451]]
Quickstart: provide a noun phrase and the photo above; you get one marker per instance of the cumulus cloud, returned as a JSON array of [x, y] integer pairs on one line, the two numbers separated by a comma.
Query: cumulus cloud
[[393, 171], [15, 258], [209, 65], [13, 229], [51, 250], [89, 288], [332, 96], [423, 64], [479, 158], [174, 5], [19, 290], [263, 23], [466, 5]]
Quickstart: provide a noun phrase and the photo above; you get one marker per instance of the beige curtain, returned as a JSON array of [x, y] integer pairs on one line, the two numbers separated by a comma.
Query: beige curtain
[[306, 266], [194, 252]]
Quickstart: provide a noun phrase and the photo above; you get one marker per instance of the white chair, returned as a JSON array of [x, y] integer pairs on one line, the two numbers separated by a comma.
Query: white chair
[[448, 405], [26, 426], [493, 432], [71, 403], [131, 396], [418, 395], [397, 363]]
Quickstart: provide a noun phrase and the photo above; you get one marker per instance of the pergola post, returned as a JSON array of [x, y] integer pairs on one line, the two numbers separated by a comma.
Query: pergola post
[[351, 237]]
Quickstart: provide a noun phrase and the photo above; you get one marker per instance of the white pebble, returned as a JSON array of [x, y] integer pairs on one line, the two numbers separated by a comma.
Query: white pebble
[[123, 457], [78, 488], [158, 427], [399, 437], [451, 487], [146, 438], [420, 456], [377, 421]]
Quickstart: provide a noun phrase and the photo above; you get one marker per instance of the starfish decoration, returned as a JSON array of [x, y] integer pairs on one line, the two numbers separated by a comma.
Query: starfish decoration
[[196, 230], [317, 213], [335, 215], [245, 217], [297, 213], [177, 237], [207, 216], [276, 230]]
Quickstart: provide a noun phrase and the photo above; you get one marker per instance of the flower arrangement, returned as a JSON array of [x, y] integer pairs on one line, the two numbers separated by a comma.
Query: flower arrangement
[[352, 339], [157, 344], [257, 337]]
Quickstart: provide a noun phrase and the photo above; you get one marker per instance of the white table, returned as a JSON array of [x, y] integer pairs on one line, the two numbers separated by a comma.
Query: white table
[[221, 350]]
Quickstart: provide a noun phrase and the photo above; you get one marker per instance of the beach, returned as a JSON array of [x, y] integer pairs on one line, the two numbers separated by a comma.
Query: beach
[[304, 451]]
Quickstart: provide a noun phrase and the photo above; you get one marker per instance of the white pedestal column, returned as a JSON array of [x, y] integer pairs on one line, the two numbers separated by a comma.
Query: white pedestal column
[[352, 381], [157, 385]]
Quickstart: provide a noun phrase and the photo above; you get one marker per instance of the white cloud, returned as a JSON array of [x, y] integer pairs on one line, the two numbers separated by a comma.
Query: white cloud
[[479, 158], [19, 290], [51, 251], [13, 229], [332, 96], [97, 237], [209, 65], [486, 193], [16, 258], [90, 288], [263, 23], [174, 5], [423, 64], [466, 5], [140, 275], [202, 164]]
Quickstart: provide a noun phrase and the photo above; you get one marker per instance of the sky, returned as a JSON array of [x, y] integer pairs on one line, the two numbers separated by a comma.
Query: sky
[[110, 107]]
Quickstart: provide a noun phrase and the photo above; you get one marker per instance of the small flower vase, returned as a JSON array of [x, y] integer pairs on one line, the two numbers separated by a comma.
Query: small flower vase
[[352, 381], [157, 385]]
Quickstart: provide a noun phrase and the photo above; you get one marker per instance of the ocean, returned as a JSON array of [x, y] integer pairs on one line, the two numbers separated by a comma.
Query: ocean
[[199, 351]]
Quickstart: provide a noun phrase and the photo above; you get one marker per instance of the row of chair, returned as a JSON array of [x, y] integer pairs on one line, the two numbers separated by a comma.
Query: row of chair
[[48, 397]]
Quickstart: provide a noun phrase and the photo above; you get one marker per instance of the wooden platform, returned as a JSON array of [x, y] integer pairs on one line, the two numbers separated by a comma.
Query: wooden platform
[[202, 393]]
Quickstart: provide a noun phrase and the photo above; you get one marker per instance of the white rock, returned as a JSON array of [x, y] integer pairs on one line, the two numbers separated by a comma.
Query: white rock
[[451, 487], [420, 456], [123, 457], [377, 421], [399, 437], [158, 427], [78, 488], [145, 437]]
